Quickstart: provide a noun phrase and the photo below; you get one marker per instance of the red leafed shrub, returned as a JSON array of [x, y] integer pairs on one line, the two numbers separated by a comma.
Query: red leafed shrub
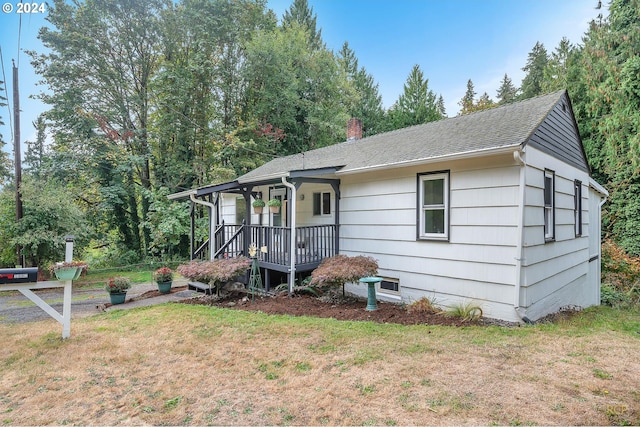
[[216, 271], [341, 269]]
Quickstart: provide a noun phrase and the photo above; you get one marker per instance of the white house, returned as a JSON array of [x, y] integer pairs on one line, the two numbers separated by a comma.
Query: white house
[[497, 208]]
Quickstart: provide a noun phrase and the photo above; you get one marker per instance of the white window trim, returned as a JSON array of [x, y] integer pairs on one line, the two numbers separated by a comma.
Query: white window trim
[[421, 207], [549, 209], [577, 207], [388, 292]]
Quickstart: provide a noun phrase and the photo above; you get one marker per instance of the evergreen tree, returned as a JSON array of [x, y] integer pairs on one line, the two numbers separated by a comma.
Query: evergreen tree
[[367, 102], [536, 63], [611, 115], [34, 156], [467, 100], [507, 92], [416, 105], [484, 102], [441, 108], [300, 13], [556, 72]]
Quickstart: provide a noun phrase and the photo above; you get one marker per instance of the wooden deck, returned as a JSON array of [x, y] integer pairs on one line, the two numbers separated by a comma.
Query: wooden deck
[[313, 244]]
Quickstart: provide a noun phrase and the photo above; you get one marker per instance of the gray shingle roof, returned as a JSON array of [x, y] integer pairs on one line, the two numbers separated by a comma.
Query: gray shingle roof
[[500, 127]]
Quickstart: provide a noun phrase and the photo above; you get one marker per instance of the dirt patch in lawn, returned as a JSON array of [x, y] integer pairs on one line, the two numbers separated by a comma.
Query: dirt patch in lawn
[[336, 307]]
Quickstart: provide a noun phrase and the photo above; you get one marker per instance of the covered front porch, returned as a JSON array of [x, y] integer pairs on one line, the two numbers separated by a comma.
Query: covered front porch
[[291, 241]]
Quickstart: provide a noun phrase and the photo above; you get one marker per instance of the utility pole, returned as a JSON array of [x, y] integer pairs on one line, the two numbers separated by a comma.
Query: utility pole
[[17, 157]]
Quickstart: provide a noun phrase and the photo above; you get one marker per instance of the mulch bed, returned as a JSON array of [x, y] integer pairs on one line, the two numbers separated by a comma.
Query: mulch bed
[[348, 309]]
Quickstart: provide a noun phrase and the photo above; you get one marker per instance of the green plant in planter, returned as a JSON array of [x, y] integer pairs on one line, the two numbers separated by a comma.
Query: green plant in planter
[[117, 288], [274, 205], [68, 270], [118, 285], [163, 277], [258, 204], [163, 274]]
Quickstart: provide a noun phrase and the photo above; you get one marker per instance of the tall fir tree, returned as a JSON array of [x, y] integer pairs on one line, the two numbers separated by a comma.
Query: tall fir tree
[[556, 72], [610, 120], [416, 105], [35, 155], [536, 63], [367, 102], [300, 13], [468, 99], [507, 92]]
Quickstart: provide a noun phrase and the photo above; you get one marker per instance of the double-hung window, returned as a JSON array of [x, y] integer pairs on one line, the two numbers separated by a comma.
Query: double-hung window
[[577, 207], [549, 206], [433, 206]]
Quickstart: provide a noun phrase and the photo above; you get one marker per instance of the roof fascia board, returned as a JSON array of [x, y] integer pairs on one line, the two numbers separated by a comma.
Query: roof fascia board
[[303, 173], [448, 158], [599, 188], [226, 186], [181, 195]]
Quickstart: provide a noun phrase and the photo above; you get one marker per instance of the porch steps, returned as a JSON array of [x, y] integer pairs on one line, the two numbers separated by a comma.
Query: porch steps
[[201, 287]]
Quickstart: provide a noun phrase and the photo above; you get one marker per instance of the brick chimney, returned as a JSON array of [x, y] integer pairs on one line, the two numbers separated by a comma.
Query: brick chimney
[[354, 129]]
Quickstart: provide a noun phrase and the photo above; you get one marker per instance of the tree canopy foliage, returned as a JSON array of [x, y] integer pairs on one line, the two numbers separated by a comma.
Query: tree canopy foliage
[[151, 98]]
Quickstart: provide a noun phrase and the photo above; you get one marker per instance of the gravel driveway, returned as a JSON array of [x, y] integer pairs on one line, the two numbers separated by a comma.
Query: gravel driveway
[[16, 308]]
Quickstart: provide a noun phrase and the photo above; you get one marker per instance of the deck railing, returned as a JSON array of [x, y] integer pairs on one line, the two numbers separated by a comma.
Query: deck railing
[[313, 243]]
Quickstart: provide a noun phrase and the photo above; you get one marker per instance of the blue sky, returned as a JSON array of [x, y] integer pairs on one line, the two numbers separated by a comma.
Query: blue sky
[[452, 41]]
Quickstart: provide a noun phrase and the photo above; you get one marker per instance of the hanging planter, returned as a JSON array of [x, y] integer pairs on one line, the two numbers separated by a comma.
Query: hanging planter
[[258, 205], [66, 273], [274, 205], [68, 270]]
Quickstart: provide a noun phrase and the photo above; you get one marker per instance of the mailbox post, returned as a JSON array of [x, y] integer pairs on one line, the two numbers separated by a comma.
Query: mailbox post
[[26, 279]]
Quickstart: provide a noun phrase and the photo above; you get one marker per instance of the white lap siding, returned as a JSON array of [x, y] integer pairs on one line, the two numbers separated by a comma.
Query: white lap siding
[[379, 215], [555, 273]]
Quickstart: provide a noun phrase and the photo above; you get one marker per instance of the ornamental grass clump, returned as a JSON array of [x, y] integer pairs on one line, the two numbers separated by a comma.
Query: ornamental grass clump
[[215, 272], [341, 269]]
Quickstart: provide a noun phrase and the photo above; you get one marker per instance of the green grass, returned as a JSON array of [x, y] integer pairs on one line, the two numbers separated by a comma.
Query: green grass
[[99, 278]]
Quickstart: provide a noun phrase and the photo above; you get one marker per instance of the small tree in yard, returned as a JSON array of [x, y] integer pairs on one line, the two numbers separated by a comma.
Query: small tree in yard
[[215, 272], [341, 269]]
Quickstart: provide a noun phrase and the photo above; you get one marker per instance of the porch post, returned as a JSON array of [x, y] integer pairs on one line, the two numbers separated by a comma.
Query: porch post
[[336, 190], [192, 231], [292, 242]]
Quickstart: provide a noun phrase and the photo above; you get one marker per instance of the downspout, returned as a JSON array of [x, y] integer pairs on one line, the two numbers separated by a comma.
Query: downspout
[[602, 202], [292, 248], [212, 222], [520, 244]]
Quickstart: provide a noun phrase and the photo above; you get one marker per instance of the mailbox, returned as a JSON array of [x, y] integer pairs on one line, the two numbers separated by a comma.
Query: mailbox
[[18, 275]]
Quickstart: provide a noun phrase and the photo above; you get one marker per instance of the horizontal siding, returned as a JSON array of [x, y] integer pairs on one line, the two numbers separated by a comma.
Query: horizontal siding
[[378, 218], [551, 267], [473, 253]]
